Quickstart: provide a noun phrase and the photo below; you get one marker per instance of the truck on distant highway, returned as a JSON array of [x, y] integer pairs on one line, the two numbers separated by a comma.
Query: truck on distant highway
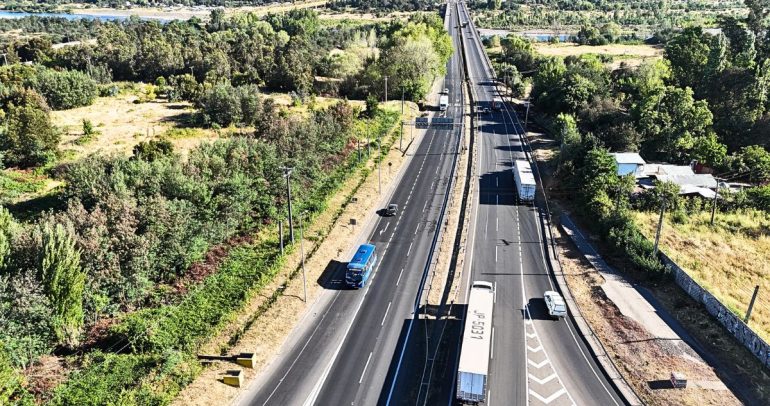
[[443, 101], [525, 180], [474, 354], [361, 266]]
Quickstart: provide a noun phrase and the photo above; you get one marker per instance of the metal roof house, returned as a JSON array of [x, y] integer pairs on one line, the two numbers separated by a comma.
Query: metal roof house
[[629, 163]]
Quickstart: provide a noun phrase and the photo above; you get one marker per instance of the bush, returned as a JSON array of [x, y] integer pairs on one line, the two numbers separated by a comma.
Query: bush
[[153, 149], [65, 89], [105, 379], [30, 138]]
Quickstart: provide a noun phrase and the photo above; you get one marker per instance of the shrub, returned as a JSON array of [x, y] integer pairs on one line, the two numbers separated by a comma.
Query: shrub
[[65, 89], [153, 149], [30, 138]]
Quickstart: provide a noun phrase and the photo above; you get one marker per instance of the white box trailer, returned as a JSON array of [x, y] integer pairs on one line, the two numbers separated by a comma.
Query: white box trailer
[[474, 354], [525, 180]]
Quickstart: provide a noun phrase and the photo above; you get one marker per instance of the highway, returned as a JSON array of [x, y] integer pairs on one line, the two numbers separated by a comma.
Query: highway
[[535, 360], [346, 351]]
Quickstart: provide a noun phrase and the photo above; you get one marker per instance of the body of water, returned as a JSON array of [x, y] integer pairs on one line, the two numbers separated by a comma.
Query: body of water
[[535, 36], [103, 17]]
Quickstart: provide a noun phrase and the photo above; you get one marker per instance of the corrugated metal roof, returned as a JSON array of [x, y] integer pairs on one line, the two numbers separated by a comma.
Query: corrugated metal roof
[[698, 180], [628, 158]]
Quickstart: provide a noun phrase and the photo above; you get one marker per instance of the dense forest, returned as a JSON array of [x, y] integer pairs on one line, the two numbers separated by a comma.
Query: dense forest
[[106, 280]]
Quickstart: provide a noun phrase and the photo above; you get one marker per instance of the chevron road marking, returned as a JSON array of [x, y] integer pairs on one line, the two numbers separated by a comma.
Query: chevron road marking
[[549, 399], [538, 365], [537, 349], [544, 380]]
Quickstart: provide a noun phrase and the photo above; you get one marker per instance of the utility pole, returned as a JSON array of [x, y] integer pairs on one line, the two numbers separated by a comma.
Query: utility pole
[[386, 89], [526, 117], [751, 304], [287, 173], [379, 169], [280, 232], [660, 225], [401, 137], [302, 254], [402, 101], [714, 206]]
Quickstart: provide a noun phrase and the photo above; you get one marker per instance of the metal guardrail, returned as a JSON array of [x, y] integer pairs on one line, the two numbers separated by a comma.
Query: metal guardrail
[[428, 264]]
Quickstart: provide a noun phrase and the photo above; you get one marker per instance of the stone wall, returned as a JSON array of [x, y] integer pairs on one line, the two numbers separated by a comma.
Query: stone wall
[[728, 319]]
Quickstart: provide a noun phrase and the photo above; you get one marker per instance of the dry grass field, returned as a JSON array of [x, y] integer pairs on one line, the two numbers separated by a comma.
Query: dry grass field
[[631, 55], [728, 260], [121, 124]]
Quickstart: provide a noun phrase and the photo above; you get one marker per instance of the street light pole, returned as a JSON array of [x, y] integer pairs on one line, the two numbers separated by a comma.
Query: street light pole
[[302, 254], [287, 173]]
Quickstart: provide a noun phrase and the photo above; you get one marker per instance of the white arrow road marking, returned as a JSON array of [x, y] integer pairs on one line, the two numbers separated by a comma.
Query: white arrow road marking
[[549, 399], [542, 381], [533, 335], [537, 349]]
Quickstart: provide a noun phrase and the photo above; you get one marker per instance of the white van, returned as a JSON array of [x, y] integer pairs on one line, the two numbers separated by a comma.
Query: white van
[[555, 304]]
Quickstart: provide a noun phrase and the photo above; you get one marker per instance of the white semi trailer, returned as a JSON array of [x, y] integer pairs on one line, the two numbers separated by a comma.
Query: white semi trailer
[[474, 354], [525, 180]]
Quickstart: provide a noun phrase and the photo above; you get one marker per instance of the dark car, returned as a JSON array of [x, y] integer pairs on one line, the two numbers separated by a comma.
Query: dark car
[[391, 210]]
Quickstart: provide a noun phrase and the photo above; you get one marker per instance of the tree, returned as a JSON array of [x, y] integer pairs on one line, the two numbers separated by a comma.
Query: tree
[[65, 89], [31, 138], [63, 281], [754, 162], [590, 35], [688, 54], [708, 150], [670, 121], [547, 83], [519, 52]]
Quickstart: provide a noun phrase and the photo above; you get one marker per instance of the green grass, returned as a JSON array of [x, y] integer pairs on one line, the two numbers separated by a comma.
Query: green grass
[[16, 184]]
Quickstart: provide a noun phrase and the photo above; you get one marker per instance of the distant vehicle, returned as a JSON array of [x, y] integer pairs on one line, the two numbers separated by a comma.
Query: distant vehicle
[[474, 354], [497, 103], [525, 180], [443, 102], [465, 24], [391, 210], [446, 91], [555, 304], [361, 266]]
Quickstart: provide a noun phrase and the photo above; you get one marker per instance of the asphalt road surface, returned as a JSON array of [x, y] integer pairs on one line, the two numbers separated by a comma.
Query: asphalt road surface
[[347, 350], [534, 360]]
